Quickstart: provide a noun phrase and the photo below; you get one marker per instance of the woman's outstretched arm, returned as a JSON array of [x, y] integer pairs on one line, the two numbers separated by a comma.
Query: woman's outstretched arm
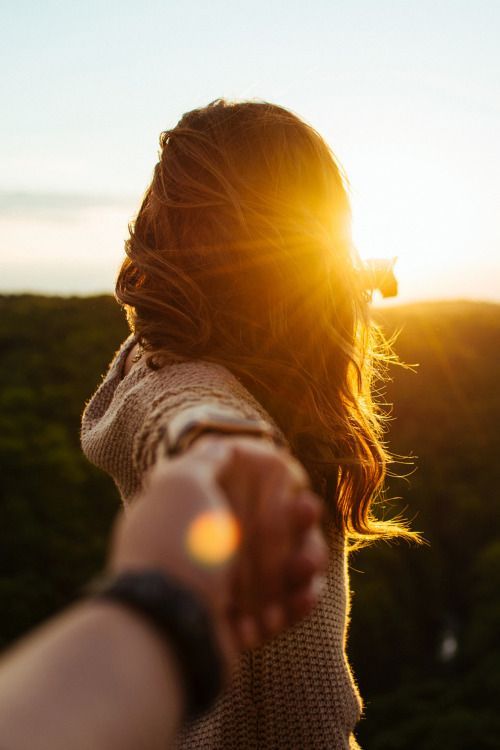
[[141, 413]]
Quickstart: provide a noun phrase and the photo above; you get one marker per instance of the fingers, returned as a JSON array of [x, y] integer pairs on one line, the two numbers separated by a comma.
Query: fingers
[[279, 556], [274, 618], [267, 540], [274, 591], [308, 509], [307, 575], [248, 632], [308, 559], [275, 576], [275, 523], [303, 600], [291, 549]]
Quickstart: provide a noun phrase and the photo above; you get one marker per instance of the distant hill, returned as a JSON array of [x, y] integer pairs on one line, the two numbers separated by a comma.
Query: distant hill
[[425, 620]]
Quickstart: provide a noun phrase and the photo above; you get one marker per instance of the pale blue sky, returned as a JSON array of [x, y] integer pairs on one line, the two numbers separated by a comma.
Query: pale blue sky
[[407, 93]]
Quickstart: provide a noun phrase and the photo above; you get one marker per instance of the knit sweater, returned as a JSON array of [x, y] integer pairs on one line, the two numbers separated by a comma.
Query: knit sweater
[[297, 691]]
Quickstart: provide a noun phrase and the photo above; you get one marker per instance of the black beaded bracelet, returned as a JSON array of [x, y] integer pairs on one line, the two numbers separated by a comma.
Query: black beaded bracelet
[[181, 619]]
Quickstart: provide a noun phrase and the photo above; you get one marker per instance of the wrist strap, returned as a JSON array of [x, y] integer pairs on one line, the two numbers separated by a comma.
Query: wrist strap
[[182, 620]]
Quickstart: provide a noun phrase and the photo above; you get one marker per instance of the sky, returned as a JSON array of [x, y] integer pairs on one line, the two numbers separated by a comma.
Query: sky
[[406, 92]]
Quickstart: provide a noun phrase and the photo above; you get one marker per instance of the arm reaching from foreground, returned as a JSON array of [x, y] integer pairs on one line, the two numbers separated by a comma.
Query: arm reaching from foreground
[[100, 676]]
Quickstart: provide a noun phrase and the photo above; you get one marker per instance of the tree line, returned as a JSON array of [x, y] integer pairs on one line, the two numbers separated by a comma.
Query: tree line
[[423, 639]]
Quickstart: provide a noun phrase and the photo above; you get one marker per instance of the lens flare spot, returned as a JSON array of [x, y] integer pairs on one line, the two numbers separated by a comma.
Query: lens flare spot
[[212, 537]]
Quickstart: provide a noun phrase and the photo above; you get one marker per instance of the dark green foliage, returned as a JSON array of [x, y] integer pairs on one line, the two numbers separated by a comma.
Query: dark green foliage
[[55, 507], [407, 601]]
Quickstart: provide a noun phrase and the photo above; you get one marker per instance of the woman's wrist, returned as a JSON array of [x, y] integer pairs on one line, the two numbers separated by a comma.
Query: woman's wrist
[[188, 426]]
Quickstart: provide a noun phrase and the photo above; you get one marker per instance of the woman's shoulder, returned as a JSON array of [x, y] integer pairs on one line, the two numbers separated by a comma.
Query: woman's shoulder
[[131, 383], [131, 413], [129, 370], [191, 382]]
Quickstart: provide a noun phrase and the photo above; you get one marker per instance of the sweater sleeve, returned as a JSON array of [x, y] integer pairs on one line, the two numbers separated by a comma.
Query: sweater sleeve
[[127, 418]]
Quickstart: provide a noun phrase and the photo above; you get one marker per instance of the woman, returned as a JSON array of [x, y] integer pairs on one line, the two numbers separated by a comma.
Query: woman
[[246, 298]]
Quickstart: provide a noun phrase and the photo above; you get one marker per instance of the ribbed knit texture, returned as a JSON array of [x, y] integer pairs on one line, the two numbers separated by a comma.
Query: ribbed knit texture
[[297, 691]]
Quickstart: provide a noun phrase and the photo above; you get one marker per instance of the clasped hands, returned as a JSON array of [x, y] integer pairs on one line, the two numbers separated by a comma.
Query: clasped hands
[[260, 494]]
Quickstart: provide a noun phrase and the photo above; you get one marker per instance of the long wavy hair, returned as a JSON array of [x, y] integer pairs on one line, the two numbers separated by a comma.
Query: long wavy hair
[[241, 254]]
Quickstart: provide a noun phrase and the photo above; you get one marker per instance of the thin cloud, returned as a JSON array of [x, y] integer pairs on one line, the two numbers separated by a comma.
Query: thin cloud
[[56, 206]]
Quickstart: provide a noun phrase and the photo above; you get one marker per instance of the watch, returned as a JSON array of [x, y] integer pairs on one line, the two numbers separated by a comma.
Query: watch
[[181, 619]]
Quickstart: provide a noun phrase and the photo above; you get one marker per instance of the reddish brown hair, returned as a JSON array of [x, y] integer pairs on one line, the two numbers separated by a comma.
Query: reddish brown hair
[[241, 254]]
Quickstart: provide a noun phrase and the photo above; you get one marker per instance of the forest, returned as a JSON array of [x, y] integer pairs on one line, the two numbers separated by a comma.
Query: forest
[[424, 638]]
